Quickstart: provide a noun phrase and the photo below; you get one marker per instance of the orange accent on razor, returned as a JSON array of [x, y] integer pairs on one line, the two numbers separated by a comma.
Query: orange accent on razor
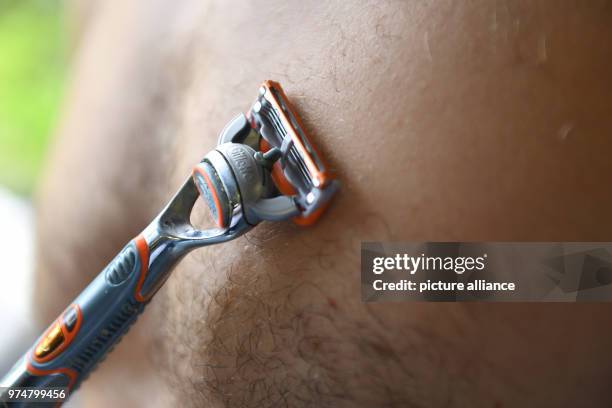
[[143, 254], [59, 335]]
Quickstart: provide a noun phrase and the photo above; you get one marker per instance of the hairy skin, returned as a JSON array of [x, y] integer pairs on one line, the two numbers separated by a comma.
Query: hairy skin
[[445, 121]]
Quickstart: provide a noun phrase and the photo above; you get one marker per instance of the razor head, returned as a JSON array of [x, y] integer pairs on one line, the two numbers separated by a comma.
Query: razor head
[[300, 172]]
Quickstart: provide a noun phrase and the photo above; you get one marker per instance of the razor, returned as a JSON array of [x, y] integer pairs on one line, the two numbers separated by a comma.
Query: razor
[[264, 168]]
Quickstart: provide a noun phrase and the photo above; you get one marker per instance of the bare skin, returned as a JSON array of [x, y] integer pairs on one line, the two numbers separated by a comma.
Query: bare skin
[[486, 121]]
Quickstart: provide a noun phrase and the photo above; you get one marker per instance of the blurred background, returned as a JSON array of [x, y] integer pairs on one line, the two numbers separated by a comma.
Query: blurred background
[[33, 62], [32, 72]]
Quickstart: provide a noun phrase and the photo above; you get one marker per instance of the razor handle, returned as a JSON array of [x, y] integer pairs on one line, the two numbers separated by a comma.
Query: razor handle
[[96, 320], [89, 327]]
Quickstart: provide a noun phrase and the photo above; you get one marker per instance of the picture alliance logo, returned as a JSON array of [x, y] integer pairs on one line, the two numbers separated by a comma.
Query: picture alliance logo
[[414, 264]]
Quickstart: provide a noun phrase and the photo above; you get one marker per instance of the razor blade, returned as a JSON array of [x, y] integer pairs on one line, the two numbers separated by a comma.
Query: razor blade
[[300, 172]]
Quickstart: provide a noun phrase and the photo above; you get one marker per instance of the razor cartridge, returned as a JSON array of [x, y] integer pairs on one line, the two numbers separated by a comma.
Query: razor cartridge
[[300, 172]]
